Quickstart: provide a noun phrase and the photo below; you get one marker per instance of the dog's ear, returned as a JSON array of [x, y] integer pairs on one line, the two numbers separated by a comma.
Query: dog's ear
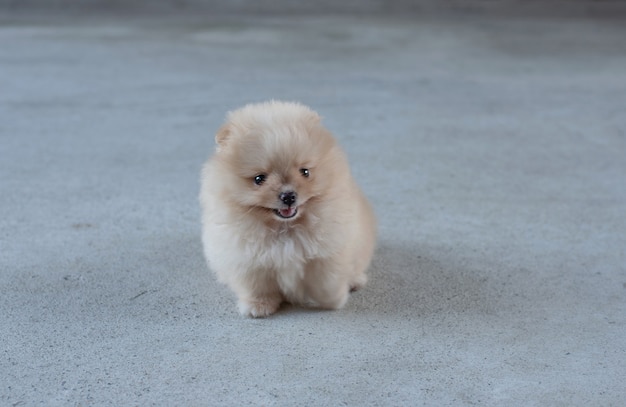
[[222, 135], [312, 120]]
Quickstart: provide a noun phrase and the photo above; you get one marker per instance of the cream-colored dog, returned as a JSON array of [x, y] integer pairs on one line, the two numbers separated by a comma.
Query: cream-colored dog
[[282, 217]]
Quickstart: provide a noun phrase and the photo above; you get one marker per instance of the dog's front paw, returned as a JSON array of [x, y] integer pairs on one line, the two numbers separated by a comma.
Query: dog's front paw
[[259, 307]]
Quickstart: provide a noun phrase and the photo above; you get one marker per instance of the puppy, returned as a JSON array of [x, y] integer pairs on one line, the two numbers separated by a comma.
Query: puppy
[[282, 217]]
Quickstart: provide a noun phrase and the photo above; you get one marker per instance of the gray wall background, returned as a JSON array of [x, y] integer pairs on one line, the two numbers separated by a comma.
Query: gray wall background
[[569, 7]]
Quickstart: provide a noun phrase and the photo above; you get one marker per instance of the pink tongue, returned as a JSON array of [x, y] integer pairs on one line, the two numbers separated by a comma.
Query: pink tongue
[[287, 212]]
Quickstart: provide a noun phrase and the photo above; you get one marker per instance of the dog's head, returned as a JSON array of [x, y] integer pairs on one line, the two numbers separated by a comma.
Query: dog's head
[[279, 159]]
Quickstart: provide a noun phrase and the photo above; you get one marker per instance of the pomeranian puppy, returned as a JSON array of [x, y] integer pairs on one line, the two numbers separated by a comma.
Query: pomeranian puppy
[[282, 217]]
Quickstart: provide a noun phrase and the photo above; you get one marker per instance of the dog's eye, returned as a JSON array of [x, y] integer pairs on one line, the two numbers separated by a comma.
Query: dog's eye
[[259, 179], [305, 172]]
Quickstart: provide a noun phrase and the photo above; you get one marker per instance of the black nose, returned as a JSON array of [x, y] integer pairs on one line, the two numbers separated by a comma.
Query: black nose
[[288, 198]]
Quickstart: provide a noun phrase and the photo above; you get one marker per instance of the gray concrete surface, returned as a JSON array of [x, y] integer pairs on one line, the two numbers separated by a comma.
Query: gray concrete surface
[[494, 152]]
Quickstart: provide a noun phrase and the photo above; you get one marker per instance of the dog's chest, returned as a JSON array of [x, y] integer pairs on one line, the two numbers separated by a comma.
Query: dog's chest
[[287, 250]]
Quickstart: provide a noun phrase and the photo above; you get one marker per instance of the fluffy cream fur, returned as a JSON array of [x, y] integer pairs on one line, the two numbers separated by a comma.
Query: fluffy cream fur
[[309, 250]]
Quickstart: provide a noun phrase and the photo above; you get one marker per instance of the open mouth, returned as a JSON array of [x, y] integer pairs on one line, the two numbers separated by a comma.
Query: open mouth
[[286, 213]]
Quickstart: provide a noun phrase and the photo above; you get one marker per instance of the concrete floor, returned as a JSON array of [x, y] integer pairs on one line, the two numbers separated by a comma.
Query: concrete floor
[[494, 152]]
